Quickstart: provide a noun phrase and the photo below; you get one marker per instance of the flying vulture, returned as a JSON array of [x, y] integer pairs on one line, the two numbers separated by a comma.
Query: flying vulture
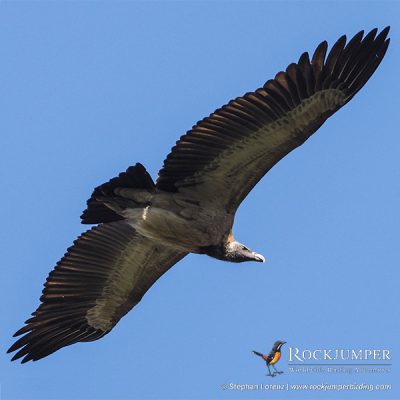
[[142, 228]]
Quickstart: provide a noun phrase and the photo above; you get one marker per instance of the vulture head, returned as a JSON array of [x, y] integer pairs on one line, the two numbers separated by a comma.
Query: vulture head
[[238, 252], [233, 251]]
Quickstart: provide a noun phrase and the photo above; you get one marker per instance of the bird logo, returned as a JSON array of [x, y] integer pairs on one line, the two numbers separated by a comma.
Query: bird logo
[[272, 358]]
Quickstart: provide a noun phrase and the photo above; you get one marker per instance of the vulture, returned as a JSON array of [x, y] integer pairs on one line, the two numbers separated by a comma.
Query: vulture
[[142, 228]]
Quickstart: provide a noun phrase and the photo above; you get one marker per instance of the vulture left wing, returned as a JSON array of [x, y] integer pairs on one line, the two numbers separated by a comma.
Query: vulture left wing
[[224, 156], [101, 277]]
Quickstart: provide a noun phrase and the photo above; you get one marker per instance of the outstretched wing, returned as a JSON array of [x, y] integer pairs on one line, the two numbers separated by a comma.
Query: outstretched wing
[[101, 277], [224, 156]]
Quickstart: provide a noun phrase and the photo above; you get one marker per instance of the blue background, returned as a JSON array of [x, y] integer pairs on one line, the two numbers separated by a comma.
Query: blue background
[[89, 88]]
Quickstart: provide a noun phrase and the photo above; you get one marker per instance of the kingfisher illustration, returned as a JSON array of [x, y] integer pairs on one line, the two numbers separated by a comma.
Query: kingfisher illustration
[[273, 357]]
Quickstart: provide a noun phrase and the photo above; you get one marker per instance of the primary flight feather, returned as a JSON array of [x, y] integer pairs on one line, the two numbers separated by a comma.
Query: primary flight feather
[[144, 228]]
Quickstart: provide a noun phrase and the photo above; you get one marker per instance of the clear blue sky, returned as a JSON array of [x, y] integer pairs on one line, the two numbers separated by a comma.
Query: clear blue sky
[[89, 88]]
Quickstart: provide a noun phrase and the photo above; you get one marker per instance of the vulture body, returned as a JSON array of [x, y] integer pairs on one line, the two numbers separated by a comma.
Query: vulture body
[[143, 228]]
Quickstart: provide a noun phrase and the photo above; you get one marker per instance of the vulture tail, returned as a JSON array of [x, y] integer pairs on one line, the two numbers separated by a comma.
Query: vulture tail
[[113, 191]]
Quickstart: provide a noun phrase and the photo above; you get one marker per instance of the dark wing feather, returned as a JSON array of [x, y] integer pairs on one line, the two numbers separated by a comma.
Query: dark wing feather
[[226, 154], [101, 277]]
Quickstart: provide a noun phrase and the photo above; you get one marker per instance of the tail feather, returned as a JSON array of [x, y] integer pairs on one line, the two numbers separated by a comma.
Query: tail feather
[[135, 177], [97, 212], [257, 353]]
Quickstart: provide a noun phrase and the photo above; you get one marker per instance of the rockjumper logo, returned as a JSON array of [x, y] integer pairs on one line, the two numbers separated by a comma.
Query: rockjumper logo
[[296, 354], [272, 358]]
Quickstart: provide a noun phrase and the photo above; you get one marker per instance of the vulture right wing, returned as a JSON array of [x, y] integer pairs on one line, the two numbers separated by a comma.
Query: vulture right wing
[[101, 277], [224, 156]]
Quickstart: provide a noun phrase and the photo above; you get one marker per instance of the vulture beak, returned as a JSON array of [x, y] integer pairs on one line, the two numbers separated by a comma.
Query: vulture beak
[[259, 257]]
